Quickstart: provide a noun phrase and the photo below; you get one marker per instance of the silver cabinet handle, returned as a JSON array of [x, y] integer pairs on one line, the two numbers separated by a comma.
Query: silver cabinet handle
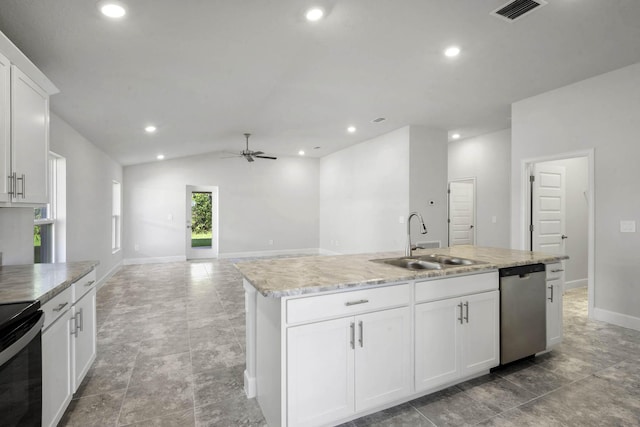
[[81, 322], [460, 318], [61, 306], [74, 326], [557, 271], [22, 178], [353, 335], [90, 283], [564, 237], [551, 298], [466, 304], [362, 301], [361, 340], [12, 184]]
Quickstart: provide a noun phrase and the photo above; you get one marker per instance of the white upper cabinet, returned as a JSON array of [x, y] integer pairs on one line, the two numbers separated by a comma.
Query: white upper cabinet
[[29, 139], [24, 129], [5, 127]]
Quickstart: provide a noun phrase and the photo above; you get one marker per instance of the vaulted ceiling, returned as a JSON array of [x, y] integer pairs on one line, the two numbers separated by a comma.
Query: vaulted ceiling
[[206, 71]]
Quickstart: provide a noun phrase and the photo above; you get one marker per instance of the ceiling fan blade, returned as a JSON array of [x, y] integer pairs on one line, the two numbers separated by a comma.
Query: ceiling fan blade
[[267, 157], [257, 153]]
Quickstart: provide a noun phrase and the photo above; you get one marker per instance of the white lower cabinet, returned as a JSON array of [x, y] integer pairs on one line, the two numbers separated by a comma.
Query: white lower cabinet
[[555, 288], [342, 366], [456, 338], [56, 363], [83, 338]]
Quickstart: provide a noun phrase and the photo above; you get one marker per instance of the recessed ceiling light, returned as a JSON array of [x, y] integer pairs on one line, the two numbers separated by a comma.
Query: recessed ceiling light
[[112, 9], [452, 51], [351, 129], [160, 157], [455, 136], [150, 129], [314, 14], [301, 152]]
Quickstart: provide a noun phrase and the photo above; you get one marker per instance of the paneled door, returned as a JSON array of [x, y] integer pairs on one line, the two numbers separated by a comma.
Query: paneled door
[[548, 209], [201, 222], [462, 212]]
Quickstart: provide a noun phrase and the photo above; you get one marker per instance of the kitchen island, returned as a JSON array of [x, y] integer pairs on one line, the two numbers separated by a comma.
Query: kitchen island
[[333, 338]]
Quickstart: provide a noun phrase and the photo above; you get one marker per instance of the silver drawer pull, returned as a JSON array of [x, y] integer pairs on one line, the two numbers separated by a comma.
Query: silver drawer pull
[[556, 271], [362, 301], [61, 306], [90, 283]]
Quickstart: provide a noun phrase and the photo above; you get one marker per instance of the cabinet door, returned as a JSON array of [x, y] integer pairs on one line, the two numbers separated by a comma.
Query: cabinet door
[[56, 370], [29, 138], [382, 357], [5, 128], [437, 351], [84, 340], [481, 332], [320, 374], [554, 312]]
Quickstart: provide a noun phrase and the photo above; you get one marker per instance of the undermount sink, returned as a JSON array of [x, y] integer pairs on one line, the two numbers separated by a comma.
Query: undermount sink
[[428, 262]]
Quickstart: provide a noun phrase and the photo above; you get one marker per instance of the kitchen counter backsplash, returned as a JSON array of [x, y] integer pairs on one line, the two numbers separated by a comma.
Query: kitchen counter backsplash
[[295, 276], [39, 281]]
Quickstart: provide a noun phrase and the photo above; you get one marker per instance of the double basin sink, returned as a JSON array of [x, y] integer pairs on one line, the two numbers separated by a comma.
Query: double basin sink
[[428, 262]]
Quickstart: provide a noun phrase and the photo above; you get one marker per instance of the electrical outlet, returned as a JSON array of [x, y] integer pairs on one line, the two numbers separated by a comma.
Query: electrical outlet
[[401, 219], [627, 226], [170, 217], [270, 242], [136, 247], [494, 219]]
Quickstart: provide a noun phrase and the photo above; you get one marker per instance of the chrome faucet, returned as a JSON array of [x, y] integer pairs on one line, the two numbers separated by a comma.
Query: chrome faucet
[[408, 250]]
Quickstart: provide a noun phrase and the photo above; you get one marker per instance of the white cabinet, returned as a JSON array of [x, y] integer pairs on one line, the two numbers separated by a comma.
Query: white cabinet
[[56, 358], [24, 129], [29, 139], [555, 287], [68, 345], [458, 337], [83, 341], [342, 366]]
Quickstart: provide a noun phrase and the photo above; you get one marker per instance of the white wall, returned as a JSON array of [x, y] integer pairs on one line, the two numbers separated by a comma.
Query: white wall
[[260, 201], [486, 158], [599, 113], [90, 174], [577, 217], [364, 189], [16, 235], [428, 182]]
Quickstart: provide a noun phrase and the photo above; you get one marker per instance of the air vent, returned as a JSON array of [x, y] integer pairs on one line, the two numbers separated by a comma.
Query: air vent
[[378, 120], [517, 9]]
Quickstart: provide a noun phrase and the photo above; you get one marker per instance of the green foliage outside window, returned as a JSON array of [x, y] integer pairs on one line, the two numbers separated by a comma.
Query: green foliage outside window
[[201, 213]]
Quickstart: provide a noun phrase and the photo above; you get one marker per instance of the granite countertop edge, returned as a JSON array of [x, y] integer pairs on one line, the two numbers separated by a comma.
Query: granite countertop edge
[[41, 282], [270, 286]]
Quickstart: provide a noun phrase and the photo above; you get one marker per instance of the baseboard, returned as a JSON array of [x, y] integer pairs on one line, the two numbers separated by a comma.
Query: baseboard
[[254, 254], [619, 319], [108, 275], [328, 252], [572, 284], [154, 260]]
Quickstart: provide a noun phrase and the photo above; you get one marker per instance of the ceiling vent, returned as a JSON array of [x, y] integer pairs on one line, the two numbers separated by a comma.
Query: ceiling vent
[[517, 9], [378, 120]]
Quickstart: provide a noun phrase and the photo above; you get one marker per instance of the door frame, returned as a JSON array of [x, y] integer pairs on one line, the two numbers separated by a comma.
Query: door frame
[[526, 168], [214, 251], [475, 208]]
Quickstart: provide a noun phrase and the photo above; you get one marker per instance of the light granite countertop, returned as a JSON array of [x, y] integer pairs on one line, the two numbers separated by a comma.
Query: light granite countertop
[[281, 277], [39, 281]]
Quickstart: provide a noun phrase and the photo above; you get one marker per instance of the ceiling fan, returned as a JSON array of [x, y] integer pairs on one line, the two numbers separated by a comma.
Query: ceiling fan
[[252, 155]]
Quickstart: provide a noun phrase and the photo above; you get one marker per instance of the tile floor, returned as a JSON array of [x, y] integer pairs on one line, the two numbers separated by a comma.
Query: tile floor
[[171, 353]]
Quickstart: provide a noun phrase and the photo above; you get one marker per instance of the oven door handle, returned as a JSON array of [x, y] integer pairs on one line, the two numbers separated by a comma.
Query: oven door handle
[[22, 342]]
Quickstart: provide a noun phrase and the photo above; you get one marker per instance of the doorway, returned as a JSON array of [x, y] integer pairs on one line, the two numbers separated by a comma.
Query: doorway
[[558, 213], [462, 212], [202, 222]]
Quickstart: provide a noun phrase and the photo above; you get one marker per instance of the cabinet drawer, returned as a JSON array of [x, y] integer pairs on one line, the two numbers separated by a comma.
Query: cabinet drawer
[[56, 307], [346, 303], [430, 290], [554, 271], [83, 285]]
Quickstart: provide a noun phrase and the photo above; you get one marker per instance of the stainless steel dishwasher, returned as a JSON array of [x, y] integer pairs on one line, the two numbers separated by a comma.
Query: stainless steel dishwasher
[[523, 321]]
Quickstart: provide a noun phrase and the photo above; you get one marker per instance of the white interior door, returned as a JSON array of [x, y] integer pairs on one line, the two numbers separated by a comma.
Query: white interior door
[[201, 222], [462, 212], [548, 209]]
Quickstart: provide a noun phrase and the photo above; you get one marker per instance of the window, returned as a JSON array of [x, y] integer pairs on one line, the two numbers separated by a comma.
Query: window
[[48, 227], [116, 217]]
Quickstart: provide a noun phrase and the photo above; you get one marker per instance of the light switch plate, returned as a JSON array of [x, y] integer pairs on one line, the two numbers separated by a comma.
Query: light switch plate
[[627, 226]]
